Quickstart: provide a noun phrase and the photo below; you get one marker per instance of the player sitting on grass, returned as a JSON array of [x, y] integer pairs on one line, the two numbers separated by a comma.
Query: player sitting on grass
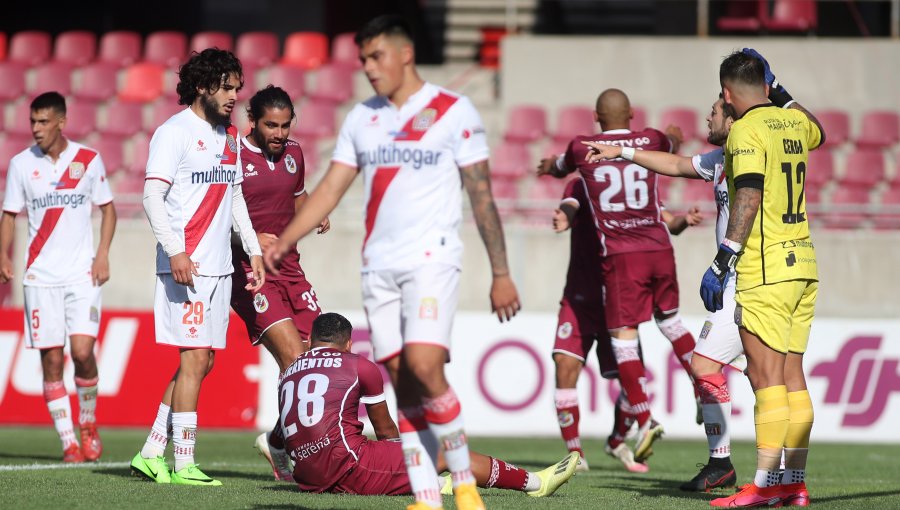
[[319, 397]]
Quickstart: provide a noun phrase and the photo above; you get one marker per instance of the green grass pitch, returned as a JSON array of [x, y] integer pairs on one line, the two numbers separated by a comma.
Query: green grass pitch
[[842, 476]]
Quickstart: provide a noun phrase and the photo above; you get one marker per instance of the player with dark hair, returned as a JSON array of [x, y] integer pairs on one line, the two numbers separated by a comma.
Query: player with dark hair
[[638, 264], [319, 398], [278, 315], [417, 146], [55, 181], [192, 197], [767, 243], [581, 324]]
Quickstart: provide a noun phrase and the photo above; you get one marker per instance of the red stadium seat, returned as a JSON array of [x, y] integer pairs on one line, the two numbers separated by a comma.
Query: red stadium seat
[[310, 159], [547, 189], [572, 121], [202, 40], [257, 49], [793, 16], [11, 145], [820, 168], [3, 46], [164, 108], [315, 120], [291, 79], [684, 118], [847, 210], [52, 76], [110, 150], [510, 162], [122, 120], [880, 129], [863, 170], [166, 48], [307, 50], [81, 119], [743, 16], [31, 47], [696, 192], [638, 119], [143, 82], [344, 51], [332, 83], [20, 124], [889, 215], [836, 124], [136, 160], [96, 82], [12, 81], [525, 124], [76, 47], [120, 47]]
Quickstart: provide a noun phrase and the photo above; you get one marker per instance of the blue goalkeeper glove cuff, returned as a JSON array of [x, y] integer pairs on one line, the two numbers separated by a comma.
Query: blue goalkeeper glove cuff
[[712, 287], [777, 93]]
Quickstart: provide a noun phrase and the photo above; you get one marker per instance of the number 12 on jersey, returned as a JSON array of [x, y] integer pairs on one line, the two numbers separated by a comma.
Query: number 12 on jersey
[[790, 216]]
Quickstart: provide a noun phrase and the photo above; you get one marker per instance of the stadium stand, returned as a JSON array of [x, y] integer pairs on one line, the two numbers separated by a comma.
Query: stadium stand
[[143, 82], [202, 40], [837, 126], [120, 47], [3, 46], [20, 121], [307, 50], [162, 109], [95, 82], [684, 118], [81, 119], [572, 121], [76, 47], [344, 51], [121, 120], [525, 124], [291, 79], [639, 118], [257, 49], [846, 209], [30, 47], [864, 169], [315, 120], [110, 150], [12, 81], [743, 16], [821, 168], [52, 76], [880, 129], [792, 16], [332, 83], [166, 48]]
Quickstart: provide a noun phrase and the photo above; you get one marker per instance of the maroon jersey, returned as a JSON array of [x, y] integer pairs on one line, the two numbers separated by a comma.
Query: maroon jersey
[[319, 397], [270, 187], [623, 194], [584, 283]]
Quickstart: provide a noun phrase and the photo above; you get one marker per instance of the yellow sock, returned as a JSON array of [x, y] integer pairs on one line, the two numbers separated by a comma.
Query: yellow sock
[[796, 443], [771, 416]]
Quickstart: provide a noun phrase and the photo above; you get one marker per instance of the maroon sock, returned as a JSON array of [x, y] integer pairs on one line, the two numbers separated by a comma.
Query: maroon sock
[[631, 376], [506, 476], [568, 417], [624, 418], [276, 437], [683, 347]]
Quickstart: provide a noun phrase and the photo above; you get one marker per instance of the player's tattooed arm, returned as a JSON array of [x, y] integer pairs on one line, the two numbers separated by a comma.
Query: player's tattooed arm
[[743, 213]]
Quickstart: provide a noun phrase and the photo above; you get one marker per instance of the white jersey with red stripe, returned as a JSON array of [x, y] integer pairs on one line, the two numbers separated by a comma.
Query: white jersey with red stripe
[[200, 162], [711, 167], [57, 197], [410, 159]]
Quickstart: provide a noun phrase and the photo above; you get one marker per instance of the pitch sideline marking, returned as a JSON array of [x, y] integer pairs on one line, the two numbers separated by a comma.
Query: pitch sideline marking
[[93, 465]]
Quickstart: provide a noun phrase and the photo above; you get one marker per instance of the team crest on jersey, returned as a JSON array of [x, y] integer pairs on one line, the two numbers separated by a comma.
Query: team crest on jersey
[[428, 308], [424, 119], [707, 326], [76, 170], [260, 303], [291, 164], [739, 315], [232, 145], [95, 314], [565, 330]]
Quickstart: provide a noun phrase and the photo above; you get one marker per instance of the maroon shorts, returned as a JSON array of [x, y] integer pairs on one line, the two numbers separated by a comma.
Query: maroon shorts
[[276, 301], [381, 470], [635, 284], [579, 326]]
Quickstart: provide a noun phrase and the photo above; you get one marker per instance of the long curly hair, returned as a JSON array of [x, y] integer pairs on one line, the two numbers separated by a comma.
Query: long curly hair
[[207, 70], [269, 97]]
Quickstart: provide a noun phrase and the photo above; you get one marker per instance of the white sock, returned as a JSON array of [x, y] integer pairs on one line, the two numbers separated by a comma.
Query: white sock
[[61, 412], [715, 420], [420, 469], [155, 446], [765, 478], [533, 483], [793, 476], [444, 418], [184, 437], [87, 400]]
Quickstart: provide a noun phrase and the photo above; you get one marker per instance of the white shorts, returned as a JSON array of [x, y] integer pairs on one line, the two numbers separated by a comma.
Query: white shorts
[[192, 317], [719, 340], [410, 306], [53, 314]]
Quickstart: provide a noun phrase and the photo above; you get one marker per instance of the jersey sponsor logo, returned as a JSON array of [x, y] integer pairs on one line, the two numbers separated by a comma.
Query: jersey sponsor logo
[[260, 303], [627, 142], [424, 119], [791, 259], [76, 170], [307, 450], [780, 124], [428, 308], [290, 164], [217, 175], [250, 170], [564, 331], [738, 151], [35, 174], [861, 379], [200, 145], [56, 200], [392, 155]]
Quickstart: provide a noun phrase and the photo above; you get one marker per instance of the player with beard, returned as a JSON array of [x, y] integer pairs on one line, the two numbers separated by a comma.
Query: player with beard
[[192, 197], [719, 344], [279, 315]]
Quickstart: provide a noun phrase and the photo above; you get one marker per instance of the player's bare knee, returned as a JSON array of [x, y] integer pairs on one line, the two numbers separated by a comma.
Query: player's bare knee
[[701, 366], [567, 370]]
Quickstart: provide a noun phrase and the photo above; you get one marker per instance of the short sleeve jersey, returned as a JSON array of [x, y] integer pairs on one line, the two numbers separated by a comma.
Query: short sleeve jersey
[[319, 398], [584, 281], [624, 196], [768, 148], [410, 158], [270, 187], [57, 197], [201, 163], [711, 167]]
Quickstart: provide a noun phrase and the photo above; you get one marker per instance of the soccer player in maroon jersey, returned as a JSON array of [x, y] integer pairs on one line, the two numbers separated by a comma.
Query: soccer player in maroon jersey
[[638, 266], [319, 398], [581, 323], [279, 315]]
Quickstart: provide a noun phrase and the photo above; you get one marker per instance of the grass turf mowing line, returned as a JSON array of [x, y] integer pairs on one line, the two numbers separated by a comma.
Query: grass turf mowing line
[[842, 476]]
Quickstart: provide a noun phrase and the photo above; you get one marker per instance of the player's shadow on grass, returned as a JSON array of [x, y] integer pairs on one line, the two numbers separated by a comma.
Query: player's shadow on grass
[[217, 473], [30, 456], [854, 495], [649, 486]]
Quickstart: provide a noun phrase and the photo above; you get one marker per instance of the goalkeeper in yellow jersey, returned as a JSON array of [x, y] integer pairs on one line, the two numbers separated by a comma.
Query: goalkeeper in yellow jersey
[[767, 242]]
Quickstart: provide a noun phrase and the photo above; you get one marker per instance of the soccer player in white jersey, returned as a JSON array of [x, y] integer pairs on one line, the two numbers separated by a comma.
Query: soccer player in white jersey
[[720, 342], [56, 180], [416, 145], [192, 196]]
